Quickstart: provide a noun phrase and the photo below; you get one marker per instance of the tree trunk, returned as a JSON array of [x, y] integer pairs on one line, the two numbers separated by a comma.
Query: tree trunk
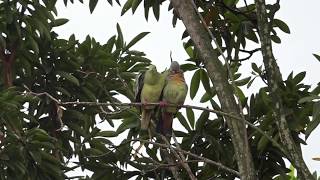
[[274, 78], [7, 60], [218, 76]]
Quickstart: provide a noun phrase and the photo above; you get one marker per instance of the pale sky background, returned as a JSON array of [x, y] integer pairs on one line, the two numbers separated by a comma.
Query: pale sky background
[[293, 54]]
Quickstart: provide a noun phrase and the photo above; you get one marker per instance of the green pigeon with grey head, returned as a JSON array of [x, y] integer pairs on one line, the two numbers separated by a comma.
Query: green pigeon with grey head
[[174, 93]]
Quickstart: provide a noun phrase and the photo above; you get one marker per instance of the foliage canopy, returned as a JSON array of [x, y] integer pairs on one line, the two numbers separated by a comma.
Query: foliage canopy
[[39, 137]]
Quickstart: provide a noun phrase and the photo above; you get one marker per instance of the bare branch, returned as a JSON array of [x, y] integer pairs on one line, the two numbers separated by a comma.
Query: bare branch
[[180, 157], [206, 160], [275, 143], [191, 175], [274, 79]]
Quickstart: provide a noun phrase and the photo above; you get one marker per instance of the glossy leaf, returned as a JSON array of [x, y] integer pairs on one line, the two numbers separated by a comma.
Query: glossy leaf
[[317, 57], [195, 82], [190, 115], [205, 80], [92, 5], [299, 77], [59, 22], [315, 119], [126, 7], [156, 10], [282, 25], [135, 40], [202, 120], [68, 77], [242, 82], [183, 121], [119, 42], [135, 4], [275, 39]]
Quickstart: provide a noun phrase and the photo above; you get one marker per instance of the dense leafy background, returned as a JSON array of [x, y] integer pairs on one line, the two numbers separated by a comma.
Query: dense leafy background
[[38, 142]]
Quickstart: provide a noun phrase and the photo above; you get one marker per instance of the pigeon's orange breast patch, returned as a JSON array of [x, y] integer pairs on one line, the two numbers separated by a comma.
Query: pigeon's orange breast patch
[[178, 78]]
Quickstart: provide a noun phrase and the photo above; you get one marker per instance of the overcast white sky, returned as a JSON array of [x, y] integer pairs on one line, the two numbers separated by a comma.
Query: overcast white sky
[[293, 54]]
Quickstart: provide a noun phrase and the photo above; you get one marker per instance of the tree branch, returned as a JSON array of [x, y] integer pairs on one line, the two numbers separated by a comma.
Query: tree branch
[[191, 175], [173, 169], [180, 157], [206, 160], [230, 115], [216, 72], [274, 79]]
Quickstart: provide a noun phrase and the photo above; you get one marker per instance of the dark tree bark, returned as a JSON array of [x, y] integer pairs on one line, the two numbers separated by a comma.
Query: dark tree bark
[[218, 76], [274, 79]]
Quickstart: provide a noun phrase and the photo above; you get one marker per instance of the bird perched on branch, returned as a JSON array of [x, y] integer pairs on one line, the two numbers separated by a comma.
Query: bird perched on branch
[[174, 92], [149, 86]]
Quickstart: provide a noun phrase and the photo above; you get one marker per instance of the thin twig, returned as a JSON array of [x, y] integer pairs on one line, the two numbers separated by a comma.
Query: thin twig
[[113, 112], [180, 157], [249, 52], [152, 104], [206, 160], [174, 170], [162, 165], [191, 175]]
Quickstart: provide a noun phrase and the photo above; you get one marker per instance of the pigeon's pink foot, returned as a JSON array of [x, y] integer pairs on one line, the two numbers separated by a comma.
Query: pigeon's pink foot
[[163, 104], [145, 103]]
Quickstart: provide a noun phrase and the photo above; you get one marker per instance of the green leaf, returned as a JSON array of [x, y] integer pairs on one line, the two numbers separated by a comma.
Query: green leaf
[[59, 22], [317, 56], [263, 142], [255, 68], [33, 44], [189, 51], [63, 91], [107, 134], [135, 4], [243, 82], [299, 77], [275, 39], [127, 123], [205, 80], [250, 82], [90, 95], [206, 97], [232, 17], [68, 77], [188, 67], [183, 121], [135, 40], [119, 42], [308, 98], [230, 2], [79, 130], [241, 95], [252, 36], [194, 86], [315, 119], [126, 7], [202, 120], [156, 10], [92, 5], [110, 2], [282, 25], [190, 116], [291, 174]]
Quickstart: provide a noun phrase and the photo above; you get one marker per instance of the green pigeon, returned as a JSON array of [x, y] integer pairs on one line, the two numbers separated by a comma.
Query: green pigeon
[[174, 92], [149, 86]]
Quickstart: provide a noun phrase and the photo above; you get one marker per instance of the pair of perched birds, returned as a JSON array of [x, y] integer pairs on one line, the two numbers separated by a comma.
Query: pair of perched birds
[[167, 88]]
